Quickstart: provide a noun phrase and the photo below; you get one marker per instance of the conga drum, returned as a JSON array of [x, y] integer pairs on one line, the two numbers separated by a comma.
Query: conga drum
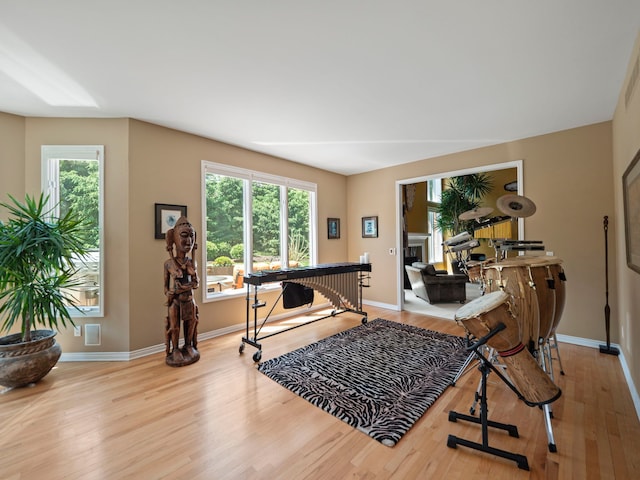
[[560, 279], [543, 283], [549, 279], [475, 270], [480, 317], [513, 277]]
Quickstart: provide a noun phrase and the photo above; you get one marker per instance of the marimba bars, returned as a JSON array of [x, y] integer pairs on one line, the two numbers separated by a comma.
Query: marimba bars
[[340, 283]]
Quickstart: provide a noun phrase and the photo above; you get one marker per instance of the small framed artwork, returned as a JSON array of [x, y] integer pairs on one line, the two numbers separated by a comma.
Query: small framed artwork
[[167, 216], [369, 227], [333, 228], [631, 199]]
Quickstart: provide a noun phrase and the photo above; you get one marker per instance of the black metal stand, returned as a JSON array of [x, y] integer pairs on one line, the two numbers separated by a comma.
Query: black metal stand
[[608, 349], [453, 441], [466, 365], [255, 304]]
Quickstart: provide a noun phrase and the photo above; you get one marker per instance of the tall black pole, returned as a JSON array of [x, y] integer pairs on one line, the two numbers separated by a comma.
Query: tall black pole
[[607, 311]]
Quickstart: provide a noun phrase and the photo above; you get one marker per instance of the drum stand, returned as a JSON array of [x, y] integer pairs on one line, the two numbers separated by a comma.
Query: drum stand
[[465, 365], [485, 368], [552, 342], [493, 357], [546, 362], [463, 369], [545, 354]]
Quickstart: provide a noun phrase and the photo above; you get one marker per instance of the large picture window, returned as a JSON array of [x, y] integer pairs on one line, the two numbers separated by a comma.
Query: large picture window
[[254, 221], [72, 177]]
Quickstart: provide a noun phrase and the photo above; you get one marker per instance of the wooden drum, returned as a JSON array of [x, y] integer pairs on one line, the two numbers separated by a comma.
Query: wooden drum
[[479, 317], [475, 270], [513, 277], [549, 281]]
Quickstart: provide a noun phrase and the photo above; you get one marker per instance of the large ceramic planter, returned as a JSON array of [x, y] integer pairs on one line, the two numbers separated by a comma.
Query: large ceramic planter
[[23, 363]]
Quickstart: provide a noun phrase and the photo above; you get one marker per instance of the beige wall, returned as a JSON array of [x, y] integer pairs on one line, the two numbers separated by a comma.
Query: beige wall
[[165, 168], [626, 304], [147, 164], [11, 157], [567, 174], [113, 134]]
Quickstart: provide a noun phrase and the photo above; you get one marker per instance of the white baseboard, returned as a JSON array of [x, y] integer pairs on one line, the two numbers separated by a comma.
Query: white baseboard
[[153, 349], [387, 306], [95, 357]]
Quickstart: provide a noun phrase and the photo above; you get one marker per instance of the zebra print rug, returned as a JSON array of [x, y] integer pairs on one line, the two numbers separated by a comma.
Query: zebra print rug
[[379, 377]]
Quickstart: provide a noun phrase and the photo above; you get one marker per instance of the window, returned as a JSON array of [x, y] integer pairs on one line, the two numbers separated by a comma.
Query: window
[[254, 222], [299, 226], [72, 177], [434, 190]]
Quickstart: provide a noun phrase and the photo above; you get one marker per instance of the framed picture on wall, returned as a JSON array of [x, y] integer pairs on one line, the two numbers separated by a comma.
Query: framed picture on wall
[[333, 228], [631, 199], [369, 227], [167, 216]]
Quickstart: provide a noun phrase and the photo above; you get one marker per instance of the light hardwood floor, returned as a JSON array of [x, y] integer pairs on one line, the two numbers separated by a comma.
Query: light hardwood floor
[[221, 419]]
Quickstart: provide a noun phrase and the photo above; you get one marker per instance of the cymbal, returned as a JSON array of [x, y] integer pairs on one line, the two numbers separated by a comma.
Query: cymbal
[[475, 213], [516, 205]]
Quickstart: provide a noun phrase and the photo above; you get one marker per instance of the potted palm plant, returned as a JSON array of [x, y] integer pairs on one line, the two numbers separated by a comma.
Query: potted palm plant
[[39, 255], [462, 194]]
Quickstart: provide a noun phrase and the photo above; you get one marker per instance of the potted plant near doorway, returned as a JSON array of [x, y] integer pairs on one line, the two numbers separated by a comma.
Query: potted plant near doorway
[[39, 257], [462, 193]]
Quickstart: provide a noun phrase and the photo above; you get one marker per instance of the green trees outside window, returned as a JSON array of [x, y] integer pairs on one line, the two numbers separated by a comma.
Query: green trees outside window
[[280, 219]]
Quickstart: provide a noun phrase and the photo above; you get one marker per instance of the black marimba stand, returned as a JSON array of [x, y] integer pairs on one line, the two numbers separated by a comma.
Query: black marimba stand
[[485, 368], [258, 279]]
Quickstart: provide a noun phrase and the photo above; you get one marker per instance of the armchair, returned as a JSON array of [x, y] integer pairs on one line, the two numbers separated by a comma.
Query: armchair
[[436, 286]]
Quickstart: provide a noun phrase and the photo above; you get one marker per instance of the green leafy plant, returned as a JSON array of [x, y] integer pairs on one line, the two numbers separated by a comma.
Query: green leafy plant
[[298, 248], [223, 262], [212, 250], [39, 256], [237, 251], [217, 249], [462, 194]]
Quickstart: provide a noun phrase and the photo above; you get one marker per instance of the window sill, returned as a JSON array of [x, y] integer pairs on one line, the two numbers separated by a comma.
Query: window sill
[[241, 292]]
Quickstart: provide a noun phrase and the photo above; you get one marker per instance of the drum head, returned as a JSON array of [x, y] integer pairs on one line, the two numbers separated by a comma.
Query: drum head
[[481, 305], [542, 260], [526, 261], [509, 263]]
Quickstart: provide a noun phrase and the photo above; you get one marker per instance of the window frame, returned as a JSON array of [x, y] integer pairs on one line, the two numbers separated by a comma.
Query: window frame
[[50, 157], [436, 250], [249, 176]]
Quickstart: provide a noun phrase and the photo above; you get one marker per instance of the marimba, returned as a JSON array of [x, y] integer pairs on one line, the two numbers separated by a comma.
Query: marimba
[[340, 283]]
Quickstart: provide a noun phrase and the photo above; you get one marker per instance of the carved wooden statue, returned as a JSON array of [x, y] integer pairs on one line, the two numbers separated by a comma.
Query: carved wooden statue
[[180, 279]]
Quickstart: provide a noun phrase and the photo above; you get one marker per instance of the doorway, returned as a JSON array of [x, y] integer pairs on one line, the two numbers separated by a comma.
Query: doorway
[[499, 189]]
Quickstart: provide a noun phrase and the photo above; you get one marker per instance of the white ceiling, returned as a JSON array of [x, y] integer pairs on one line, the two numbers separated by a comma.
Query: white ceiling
[[344, 85]]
